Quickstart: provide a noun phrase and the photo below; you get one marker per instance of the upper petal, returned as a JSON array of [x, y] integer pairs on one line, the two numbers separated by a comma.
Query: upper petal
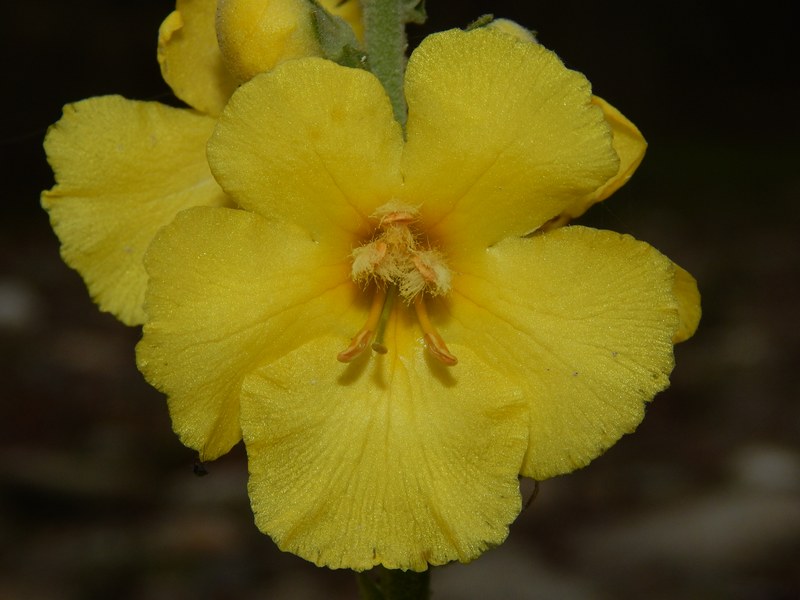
[[582, 320], [189, 55], [227, 291], [501, 137], [629, 145], [394, 460], [310, 143], [123, 170]]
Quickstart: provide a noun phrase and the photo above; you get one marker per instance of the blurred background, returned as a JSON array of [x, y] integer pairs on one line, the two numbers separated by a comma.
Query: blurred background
[[98, 498]]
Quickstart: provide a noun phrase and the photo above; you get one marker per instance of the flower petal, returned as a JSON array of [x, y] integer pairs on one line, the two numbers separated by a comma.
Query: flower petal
[[582, 320], [189, 55], [310, 143], [394, 460], [685, 290], [123, 170], [227, 290], [501, 137], [629, 145]]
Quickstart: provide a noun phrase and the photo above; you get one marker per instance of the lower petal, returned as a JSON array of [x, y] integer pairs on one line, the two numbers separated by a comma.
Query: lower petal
[[123, 169], [582, 321], [394, 460], [228, 291]]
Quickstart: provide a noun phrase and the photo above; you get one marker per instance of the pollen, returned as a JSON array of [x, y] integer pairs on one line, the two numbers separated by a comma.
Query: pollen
[[398, 261]]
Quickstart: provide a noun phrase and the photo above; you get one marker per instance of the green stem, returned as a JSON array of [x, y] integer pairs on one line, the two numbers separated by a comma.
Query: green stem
[[385, 38], [395, 585]]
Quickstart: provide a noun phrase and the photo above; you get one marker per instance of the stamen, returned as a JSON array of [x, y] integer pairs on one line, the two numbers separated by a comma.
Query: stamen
[[398, 262], [362, 339], [433, 340]]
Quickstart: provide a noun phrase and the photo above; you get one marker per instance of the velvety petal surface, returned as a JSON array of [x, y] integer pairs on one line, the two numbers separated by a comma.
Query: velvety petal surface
[[582, 321], [228, 291], [310, 143], [123, 170], [501, 137], [189, 55], [393, 459], [685, 290], [629, 145]]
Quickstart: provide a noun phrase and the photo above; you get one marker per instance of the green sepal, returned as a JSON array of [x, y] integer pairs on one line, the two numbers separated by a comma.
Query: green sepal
[[336, 39], [414, 11], [481, 21]]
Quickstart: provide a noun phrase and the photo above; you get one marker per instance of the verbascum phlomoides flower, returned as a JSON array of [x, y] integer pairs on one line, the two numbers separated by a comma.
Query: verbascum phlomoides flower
[[388, 320], [125, 168]]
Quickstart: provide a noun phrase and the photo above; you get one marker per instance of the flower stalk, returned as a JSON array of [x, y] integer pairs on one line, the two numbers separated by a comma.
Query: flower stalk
[[385, 38], [394, 584]]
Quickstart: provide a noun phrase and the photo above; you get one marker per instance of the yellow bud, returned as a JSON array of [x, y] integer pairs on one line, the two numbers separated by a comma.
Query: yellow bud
[[257, 35]]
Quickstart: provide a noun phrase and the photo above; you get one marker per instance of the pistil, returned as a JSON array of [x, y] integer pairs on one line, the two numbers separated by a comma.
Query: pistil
[[378, 345]]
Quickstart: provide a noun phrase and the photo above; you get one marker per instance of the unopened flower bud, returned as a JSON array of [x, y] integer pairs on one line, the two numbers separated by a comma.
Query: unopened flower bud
[[257, 35]]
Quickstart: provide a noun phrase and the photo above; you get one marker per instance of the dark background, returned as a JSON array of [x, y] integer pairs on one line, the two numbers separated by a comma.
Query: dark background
[[97, 496]]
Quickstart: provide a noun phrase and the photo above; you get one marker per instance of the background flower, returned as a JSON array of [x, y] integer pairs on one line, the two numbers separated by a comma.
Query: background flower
[[125, 168]]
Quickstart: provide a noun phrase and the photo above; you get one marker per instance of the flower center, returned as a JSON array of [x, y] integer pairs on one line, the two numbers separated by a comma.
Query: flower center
[[399, 264]]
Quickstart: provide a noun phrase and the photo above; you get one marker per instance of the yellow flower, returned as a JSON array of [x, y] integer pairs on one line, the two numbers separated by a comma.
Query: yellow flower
[[124, 168], [499, 349]]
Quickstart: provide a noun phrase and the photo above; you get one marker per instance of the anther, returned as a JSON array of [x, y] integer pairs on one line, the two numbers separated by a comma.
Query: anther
[[433, 341], [428, 274], [399, 217]]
